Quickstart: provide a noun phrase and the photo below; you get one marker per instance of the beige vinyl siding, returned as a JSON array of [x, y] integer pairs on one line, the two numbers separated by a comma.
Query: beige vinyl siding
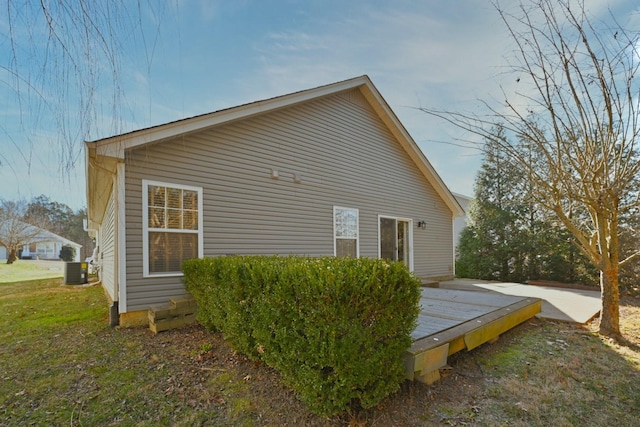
[[107, 249], [344, 156]]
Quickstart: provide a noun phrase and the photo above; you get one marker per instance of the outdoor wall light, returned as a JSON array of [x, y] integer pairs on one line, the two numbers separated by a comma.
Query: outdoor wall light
[[422, 225]]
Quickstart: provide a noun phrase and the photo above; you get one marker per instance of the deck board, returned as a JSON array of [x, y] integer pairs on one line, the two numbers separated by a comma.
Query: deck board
[[428, 325], [454, 320], [454, 310], [475, 298], [445, 308]]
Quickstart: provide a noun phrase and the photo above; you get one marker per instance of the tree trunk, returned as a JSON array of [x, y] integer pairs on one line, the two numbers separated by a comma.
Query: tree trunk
[[610, 315], [12, 256]]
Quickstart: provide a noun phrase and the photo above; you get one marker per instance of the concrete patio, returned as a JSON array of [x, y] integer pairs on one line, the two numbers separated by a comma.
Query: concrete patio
[[569, 305]]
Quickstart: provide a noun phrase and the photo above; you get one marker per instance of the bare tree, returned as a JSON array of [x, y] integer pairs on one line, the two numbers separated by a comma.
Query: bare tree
[[577, 109], [62, 62], [14, 233]]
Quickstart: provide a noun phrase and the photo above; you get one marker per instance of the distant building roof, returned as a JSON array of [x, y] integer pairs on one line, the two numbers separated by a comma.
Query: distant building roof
[[42, 235]]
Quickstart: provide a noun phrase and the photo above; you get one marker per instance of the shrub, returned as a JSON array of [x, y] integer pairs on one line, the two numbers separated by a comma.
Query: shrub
[[335, 328], [67, 253]]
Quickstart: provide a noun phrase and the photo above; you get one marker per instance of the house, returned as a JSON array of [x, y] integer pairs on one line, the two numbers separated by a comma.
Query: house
[[321, 172], [42, 244], [47, 245]]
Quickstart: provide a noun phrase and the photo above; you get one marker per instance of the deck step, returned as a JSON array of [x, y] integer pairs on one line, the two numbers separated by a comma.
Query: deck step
[[430, 283], [177, 313]]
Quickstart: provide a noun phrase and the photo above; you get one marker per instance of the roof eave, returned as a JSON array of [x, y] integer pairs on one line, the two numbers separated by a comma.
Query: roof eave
[[100, 175], [404, 138]]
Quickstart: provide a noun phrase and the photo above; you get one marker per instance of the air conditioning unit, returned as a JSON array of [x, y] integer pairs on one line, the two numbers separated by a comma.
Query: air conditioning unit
[[76, 273]]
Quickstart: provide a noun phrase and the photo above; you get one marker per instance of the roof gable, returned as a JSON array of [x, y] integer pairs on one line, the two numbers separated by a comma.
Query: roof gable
[[115, 147]]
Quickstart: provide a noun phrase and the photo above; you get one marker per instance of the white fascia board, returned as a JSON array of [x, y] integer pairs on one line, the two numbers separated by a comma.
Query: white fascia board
[[397, 128]]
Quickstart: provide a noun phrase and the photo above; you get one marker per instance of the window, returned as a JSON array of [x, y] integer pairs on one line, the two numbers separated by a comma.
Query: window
[[172, 222], [45, 249], [345, 231]]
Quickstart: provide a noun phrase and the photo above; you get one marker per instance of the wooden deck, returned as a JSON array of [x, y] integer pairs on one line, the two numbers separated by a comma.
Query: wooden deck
[[453, 320]]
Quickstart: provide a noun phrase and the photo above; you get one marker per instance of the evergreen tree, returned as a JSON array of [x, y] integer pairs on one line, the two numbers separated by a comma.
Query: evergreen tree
[[488, 249], [67, 253], [510, 237]]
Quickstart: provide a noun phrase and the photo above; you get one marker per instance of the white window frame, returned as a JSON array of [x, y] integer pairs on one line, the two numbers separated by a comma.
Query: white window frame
[[46, 249], [146, 230], [335, 237]]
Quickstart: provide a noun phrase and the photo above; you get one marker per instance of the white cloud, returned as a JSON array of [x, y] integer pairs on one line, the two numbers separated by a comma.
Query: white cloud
[[432, 56]]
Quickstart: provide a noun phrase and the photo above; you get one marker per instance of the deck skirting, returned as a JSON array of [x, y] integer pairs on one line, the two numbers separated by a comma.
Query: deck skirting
[[466, 320]]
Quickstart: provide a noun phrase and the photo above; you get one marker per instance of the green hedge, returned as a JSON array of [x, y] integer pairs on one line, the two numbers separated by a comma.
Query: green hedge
[[335, 328]]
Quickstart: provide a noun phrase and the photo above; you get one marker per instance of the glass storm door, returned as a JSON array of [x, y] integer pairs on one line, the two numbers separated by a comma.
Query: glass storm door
[[395, 240]]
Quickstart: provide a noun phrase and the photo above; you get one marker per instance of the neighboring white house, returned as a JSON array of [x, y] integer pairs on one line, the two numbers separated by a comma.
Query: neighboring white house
[[44, 245], [460, 222]]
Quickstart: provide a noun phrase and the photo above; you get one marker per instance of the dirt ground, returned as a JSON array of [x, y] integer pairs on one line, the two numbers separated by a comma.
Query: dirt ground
[[264, 400], [244, 392]]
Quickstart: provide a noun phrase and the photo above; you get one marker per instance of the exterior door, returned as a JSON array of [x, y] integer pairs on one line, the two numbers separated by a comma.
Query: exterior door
[[395, 240]]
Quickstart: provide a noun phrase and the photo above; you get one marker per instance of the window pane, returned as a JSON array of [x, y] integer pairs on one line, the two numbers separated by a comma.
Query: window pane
[[346, 247], [167, 251], [174, 218], [346, 221], [190, 220], [174, 198], [388, 236], [403, 242], [156, 218], [156, 196], [190, 200]]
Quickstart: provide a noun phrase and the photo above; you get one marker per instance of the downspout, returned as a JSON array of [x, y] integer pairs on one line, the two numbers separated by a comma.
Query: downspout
[[85, 226], [120, 247], [114, 310], [114, 314]]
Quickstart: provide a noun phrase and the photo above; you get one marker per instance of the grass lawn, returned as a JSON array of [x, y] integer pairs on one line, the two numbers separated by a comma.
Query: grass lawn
[[61, 364], [25, 270]]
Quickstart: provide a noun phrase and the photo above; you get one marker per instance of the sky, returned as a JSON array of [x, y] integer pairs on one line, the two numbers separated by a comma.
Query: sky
[[182, 58]]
